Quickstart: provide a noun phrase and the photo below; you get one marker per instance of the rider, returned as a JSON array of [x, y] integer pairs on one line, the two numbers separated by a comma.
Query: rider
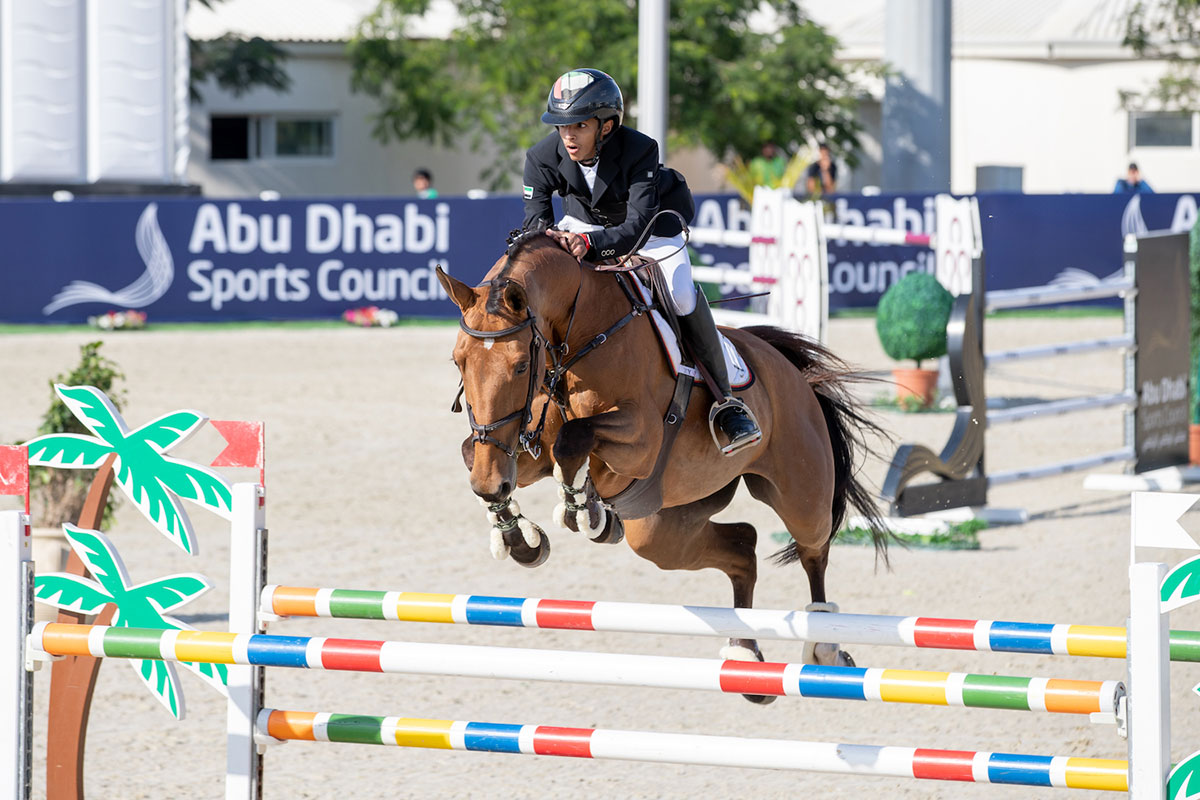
[[612, 184]]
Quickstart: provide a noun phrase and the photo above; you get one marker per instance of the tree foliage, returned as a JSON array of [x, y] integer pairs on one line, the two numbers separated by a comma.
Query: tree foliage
[[1170, 30], [237, 64], [730, 88]]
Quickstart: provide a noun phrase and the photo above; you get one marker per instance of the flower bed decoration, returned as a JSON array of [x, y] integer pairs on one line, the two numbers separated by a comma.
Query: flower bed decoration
[[119, 320], [371, 317]]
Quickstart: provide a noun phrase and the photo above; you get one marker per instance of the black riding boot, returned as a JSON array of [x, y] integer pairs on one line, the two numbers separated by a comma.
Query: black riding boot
[[729, 413]]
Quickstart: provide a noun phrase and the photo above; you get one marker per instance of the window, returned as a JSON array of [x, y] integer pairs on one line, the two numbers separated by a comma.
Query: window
[[244, 137], [304, 137], [1162, 129]]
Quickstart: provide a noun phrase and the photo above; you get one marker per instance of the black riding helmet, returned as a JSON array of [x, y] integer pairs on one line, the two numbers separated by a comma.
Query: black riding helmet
[[581, 94]]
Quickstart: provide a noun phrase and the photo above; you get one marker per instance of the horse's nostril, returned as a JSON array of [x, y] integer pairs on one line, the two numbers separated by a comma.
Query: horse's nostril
[[505, 489]]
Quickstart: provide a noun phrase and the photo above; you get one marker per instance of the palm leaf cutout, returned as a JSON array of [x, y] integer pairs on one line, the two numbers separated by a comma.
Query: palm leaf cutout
[[154, 481], [142, 606], [1183, 781], [1182, 585]]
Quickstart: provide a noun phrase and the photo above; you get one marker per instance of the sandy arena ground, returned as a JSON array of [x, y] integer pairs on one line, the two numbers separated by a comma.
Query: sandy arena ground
[[366, 490]]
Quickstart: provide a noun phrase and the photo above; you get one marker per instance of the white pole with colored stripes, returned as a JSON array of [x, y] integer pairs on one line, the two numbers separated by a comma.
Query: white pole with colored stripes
[[683, 748]]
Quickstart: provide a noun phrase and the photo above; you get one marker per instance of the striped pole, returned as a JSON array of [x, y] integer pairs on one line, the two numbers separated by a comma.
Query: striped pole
[[745, 623], [615, 669], [679, 748]]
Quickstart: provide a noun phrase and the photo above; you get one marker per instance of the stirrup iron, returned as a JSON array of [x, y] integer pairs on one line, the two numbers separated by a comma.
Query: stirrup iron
[[732, 447]]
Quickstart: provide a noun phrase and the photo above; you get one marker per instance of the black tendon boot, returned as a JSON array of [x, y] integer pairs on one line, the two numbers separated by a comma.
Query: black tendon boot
[[729, 414]]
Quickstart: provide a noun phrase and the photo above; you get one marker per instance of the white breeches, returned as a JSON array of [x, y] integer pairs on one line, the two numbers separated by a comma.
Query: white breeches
[[671, 254]]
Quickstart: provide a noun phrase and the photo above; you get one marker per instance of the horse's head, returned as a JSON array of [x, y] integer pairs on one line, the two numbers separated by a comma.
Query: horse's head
[[501, 356]]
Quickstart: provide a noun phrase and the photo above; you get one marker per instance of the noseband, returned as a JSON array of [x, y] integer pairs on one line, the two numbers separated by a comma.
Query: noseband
[[527, 440]]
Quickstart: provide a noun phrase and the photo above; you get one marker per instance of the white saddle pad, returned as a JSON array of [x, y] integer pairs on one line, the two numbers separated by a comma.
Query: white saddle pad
[[740, 375]]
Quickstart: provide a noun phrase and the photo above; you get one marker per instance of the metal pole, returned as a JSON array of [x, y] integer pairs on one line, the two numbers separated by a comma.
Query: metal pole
[[652, 71]]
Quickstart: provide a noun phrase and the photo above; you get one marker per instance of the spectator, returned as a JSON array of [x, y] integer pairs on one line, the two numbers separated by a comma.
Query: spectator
[[768, 168], [1132, 183], [423, 183], [821, 177]]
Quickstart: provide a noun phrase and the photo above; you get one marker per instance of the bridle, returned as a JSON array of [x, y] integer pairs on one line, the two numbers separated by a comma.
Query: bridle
[[526, 440], [530, 440]]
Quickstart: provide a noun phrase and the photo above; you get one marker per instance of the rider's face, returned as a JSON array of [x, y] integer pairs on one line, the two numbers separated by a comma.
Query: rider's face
[[580, 138]]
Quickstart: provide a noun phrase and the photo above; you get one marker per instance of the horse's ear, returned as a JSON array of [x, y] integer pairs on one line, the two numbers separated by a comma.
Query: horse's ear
[[462, 295], [514, 297]]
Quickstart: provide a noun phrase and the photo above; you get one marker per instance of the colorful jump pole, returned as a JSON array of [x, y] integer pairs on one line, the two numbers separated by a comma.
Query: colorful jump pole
[[558, 666], [752, 623], [680, 748]]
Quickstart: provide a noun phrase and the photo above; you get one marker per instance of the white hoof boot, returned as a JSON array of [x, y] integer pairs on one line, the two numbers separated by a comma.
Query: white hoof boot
[[531, 533], [499, 548], [583, 518], [825, 654], [737, 653], [560, 512]]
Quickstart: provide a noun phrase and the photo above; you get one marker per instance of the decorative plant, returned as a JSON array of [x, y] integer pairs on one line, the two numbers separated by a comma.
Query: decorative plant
[[741, 177], [912, 316], [57, 495], [144, 605], [153, 480], [119, 320], [371, 317]]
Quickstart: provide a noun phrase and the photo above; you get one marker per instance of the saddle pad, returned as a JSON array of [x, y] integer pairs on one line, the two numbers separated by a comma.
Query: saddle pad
[[740, 375]]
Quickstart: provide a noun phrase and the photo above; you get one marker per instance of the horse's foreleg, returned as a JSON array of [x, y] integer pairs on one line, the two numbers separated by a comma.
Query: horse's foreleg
[[581, 509]]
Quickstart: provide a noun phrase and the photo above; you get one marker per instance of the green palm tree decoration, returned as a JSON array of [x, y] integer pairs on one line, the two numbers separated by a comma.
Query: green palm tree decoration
[[145, 605], [151, 479], [1183, 781], [1181, 586]]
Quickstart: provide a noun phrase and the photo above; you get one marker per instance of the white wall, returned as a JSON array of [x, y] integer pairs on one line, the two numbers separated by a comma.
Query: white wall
[[1061, 121], [360, 165]]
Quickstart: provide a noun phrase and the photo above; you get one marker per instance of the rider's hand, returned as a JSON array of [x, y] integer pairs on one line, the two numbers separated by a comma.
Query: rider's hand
[[574, 243]]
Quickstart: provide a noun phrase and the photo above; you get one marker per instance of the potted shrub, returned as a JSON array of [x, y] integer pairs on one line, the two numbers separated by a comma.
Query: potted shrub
[[911, 322], [57, 495]]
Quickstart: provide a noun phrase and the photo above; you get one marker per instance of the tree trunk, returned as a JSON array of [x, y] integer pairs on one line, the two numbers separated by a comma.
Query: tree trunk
[[73, 679]]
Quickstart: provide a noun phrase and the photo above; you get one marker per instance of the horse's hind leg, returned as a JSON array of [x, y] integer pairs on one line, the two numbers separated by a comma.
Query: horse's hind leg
[[686, 538], [812, 531]]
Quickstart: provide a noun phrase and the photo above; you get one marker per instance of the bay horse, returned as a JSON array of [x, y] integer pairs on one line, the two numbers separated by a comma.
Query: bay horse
[[548, 338]]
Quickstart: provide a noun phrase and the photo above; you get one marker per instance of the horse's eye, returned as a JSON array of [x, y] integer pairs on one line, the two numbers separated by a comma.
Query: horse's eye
[[522, 368]]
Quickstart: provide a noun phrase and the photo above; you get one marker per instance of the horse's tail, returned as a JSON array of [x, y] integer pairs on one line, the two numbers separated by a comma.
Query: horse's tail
[[847, 421]]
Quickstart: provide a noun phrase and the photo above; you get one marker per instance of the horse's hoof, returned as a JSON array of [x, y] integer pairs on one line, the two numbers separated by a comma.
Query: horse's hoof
[[826, 655], [522, 553], [760, 699], [613, 533]]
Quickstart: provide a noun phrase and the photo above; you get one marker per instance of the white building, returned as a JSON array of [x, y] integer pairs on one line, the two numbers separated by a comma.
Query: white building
[[1035, 85]]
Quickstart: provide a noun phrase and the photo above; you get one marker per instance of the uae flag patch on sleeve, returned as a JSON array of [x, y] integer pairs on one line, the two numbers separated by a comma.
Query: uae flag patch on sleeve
[[528, 192]]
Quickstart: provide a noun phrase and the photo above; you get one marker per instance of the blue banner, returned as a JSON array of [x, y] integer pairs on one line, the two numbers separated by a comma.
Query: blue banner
[[189, 259]]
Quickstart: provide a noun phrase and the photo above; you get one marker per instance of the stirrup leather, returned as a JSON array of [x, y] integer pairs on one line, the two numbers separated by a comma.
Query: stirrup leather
[[732, 447]]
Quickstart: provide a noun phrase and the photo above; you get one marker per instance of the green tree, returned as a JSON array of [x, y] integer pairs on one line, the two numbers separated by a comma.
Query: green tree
[[731, 88], [1170, 30], [236, 63]]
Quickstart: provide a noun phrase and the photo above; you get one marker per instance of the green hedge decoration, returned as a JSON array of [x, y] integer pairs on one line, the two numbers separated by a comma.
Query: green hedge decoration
[[912, 316]]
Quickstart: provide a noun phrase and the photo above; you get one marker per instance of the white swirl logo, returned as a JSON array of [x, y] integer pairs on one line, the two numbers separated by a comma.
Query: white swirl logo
[[153, 283]]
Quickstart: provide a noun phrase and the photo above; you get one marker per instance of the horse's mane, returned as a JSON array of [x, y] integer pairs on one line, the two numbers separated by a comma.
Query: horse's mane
[[520, 244]]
